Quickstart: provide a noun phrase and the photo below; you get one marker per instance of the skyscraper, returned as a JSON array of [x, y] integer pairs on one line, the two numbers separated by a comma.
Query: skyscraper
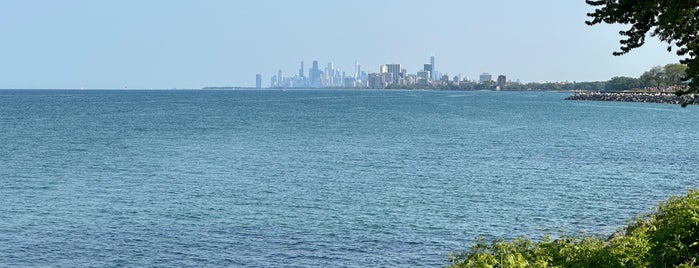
[[359, 71], [428, 68], [258, 81], [383, 69], [315, 74], [279, 78], [394, 71], [423, 77], [434, 69], [329, 74], [301, 71]]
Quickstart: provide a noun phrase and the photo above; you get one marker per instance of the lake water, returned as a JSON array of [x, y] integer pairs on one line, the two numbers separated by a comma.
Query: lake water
[[321, 178]]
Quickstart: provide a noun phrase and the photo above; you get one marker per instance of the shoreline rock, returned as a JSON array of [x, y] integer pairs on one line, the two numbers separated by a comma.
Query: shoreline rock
[[649, 97]]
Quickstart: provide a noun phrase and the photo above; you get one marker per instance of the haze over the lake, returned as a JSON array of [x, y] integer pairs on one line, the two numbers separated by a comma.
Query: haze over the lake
[[192, 44]]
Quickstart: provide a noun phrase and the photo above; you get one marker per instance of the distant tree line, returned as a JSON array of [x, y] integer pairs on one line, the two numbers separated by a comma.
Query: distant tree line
[[669, 75]]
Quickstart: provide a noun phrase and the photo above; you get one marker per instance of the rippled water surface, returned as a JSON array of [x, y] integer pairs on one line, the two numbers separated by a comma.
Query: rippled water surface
[[321, 178]]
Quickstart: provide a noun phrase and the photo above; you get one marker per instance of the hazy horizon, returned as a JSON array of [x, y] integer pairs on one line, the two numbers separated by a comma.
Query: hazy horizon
[[181, 44]]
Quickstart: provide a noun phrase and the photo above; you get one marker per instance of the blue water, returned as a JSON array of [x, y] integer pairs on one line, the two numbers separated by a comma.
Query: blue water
[[321, 178]]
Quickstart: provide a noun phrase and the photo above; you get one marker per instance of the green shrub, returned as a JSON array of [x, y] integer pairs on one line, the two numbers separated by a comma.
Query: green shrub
[[674, 231], [667, 238]]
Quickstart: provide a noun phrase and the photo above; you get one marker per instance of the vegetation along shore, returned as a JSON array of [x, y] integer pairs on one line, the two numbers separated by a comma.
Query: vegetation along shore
[[669, 237]]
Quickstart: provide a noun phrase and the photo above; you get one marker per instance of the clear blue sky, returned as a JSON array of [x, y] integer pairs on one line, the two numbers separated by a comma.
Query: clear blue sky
[[192, 44]]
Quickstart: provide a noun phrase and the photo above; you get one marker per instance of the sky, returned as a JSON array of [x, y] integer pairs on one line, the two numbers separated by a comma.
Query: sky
[[168, 44]]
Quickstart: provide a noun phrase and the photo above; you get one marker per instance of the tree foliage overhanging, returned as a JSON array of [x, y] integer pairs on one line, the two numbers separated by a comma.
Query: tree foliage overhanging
[[675, 22]]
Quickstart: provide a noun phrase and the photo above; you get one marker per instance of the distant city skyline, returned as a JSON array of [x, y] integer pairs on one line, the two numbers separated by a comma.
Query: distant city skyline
[[184, 44], [385, 75], [332, 76]]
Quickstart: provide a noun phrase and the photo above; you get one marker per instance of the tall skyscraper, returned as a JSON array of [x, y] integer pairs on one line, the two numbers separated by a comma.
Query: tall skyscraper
[[315, 74], [434, 68], [301, 71], [330, 74], [279, 77], [359, 71], [356, 69], [427, 67], [258, 81]]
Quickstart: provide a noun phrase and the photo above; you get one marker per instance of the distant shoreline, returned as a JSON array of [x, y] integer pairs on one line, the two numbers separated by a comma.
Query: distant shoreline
[[228, 88], [384, 89]]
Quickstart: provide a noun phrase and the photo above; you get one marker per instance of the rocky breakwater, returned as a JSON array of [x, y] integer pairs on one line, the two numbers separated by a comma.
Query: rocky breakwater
[[655, 97]]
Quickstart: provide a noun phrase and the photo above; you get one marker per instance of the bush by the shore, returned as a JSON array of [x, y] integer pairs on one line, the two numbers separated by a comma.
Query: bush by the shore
[[668, 237]]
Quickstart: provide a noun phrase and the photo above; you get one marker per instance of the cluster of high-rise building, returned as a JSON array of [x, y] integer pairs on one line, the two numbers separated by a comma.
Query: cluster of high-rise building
[[315, 77], [388, 74]]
